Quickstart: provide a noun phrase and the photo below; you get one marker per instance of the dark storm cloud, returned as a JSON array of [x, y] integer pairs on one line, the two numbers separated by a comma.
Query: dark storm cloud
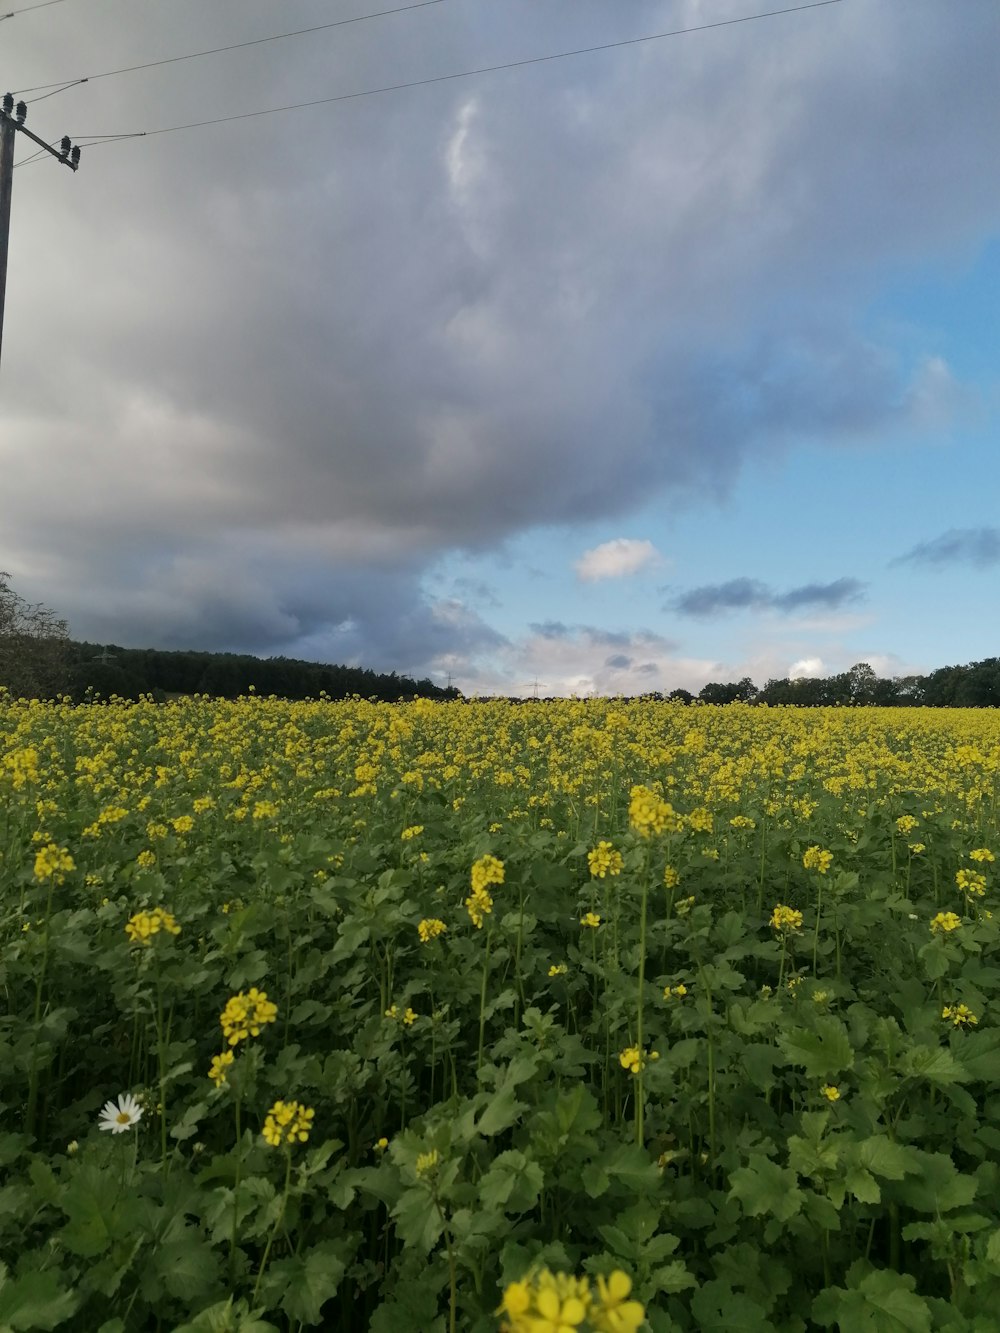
[[618, 662], [259, 376], [979, 547], [752, 595]]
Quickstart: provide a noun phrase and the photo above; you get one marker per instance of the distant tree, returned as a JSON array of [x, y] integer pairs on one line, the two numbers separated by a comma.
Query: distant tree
[[34, 646], [681, 696]]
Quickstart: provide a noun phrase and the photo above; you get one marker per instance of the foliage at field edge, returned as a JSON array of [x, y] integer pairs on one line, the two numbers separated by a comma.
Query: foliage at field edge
[[444, 1016]]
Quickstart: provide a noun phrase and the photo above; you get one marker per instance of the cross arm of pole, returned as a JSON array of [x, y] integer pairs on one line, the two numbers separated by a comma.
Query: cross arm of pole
[[68, 160]]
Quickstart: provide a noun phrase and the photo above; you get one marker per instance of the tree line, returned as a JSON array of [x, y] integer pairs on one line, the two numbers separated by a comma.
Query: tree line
[[39, 660], [975, 685]]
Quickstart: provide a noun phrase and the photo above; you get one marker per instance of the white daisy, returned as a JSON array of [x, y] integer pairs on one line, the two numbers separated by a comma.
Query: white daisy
[[120, 1116]]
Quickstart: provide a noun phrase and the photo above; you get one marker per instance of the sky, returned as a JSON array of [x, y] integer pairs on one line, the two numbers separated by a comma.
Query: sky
[[670, 362]]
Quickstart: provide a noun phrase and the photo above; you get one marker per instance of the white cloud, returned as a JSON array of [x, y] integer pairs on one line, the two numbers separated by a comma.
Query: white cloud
[[806, 668], [616, 559]]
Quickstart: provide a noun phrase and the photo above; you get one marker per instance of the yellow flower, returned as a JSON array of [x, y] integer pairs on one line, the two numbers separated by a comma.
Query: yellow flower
[[245, 1015], [960, 1015], [649, 814], [146, 860], [54, 863], [430, 928], [479, 905], [671, 878], [831, 1093], [971, 882], [486, 871], [906, 824], [558, 970], [634, 1060], [590, 920], [426, 1162], [288, 1123], [945, 921], [613, 1312], [141, 927], [414, 831], [217, 1070], [815, 858], [981, 854], [604, 860], [786, 918], [381, 1144]]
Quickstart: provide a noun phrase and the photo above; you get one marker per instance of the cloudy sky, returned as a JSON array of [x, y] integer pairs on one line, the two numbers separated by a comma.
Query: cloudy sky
[[645, 366]]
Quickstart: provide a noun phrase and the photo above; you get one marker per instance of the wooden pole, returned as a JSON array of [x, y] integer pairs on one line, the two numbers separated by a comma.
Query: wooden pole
[[7, 134]]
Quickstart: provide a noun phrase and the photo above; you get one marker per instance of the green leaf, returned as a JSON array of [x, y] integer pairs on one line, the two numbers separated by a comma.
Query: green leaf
[[719, 1309], [763, 1187], [225, 1317], [672, 1277], [938, 1188], [863, 1185], [882, 1302], [934, 1063], [98, 1212], [823, 1050], [418, 1221], [33, 1300], [513, 1183], [311, 1279], [188, 1267], [887, 1159]]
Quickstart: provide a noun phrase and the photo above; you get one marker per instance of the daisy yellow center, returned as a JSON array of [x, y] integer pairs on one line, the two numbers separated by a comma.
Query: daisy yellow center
[[123, 1117]]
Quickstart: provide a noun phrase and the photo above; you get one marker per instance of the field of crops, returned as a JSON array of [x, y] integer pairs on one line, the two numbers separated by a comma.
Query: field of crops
[[551, 1017]]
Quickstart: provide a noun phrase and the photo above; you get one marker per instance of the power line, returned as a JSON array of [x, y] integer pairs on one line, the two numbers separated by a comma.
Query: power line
[[462, 74], [61, 85], [44, 4]]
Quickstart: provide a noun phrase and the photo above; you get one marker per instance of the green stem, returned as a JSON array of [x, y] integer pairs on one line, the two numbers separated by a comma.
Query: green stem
[[482, 998], [277, 1223]]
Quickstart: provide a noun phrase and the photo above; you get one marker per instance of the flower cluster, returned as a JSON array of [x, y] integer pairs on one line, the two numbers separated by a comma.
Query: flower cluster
[[649, 814], [959, 1015], [141, 927], [52, 862], [245, 1014], [815, 858], [548, 1302], [407, 1016], [288, 1122], [220, 1064], [427, 1162], [414, 831], [981, 854], [786, 918], [430, 928], [604, 860], [971, 883], [945, 921], [634, 1060], [675, 992], [486, 871]]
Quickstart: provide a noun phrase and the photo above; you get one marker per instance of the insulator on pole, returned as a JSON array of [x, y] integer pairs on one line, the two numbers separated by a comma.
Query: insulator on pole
[[8, 102], [74, 156], [64, 146], [22, 111]]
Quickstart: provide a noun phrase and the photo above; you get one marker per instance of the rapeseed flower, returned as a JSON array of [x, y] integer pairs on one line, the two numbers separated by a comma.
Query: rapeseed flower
[[981, 854], [649, 814], [53, 863], [590, 920], [815, 858], [786, 918], [604, 860], [245, 1014], [142, 926], [612, 1311], [430, 928], [971, 882], [288, 1123], [427, 1162], [486, 871], [945, 921], [219, 1066], [558, 970], [830, 1092], [960, 1015]]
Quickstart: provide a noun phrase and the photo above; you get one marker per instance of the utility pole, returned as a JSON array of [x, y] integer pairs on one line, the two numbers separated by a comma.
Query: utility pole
[[11, 121]]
